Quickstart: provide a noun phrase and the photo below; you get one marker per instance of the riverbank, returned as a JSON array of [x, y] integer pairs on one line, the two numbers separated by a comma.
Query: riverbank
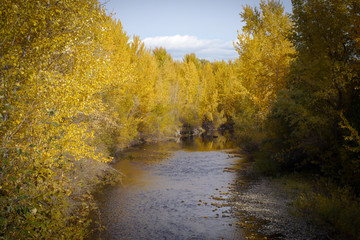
[[264, 208]]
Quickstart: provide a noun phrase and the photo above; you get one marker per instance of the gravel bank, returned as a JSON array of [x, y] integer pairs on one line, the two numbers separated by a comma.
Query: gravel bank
[[263, 208]]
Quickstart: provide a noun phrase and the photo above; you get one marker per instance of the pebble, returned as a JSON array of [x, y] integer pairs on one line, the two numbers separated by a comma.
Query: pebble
[[264, 201]]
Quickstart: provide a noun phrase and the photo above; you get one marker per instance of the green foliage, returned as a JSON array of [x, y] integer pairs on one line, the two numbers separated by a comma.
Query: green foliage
[[315, 118], [266, 166]]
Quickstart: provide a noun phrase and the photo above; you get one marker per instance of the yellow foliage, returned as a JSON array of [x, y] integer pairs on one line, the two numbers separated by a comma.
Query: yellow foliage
[[49, 83], [265, 53], [73, 87]]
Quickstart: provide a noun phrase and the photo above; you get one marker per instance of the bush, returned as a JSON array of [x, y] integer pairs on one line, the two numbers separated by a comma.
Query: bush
[[266, 166], [331, 207]]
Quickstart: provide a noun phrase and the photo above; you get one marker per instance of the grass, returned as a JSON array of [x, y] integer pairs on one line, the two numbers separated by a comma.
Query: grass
[[325, 204]]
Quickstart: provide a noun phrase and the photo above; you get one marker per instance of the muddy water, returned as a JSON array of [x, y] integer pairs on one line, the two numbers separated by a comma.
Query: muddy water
[[172, 191]]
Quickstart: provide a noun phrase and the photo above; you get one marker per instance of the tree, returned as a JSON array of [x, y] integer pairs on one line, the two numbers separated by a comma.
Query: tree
[[48, 69], [264, 53], [212, 116], [317, 111], [161, 55]]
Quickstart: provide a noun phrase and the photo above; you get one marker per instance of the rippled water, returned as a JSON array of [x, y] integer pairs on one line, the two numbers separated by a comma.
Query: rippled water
[[172, 191]]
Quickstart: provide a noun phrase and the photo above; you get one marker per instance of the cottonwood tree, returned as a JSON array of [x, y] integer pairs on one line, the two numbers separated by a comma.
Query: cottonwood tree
[[319, 123], [264, 52]]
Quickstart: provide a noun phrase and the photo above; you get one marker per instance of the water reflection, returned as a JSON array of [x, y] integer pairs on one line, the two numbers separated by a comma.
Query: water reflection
[[211, 142], [134, 175], [172, 191]]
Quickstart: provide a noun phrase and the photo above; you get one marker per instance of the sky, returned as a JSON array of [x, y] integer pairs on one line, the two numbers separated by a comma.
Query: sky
[[207, 28]]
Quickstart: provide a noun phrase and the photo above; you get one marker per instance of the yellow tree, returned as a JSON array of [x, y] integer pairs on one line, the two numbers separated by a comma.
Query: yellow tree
[[147, 75], [209, 101], [264, 52], [167, 88], [48, 70], [226, 81], [114, 125], [189, 93]]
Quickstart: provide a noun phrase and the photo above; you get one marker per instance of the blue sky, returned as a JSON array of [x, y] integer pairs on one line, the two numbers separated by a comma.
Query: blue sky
[[206, 27]]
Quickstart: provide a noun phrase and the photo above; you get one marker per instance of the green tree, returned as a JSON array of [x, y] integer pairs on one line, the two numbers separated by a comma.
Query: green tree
[[316, 116]]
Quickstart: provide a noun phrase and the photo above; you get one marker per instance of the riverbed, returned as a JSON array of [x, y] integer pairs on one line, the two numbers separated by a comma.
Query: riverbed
[[172, 191], [198, 188]]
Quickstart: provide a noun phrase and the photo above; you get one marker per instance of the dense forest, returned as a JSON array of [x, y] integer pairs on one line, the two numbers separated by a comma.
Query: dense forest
[[76, 87]]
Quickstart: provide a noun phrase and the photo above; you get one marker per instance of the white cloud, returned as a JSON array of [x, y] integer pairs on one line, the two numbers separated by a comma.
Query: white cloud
[[179, 45], [176, 42]]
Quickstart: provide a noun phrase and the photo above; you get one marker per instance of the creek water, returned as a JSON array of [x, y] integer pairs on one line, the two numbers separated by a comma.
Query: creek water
[[172, 191]]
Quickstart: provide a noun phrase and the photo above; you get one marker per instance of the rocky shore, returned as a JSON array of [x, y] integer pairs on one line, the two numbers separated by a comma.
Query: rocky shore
[[263, 208]]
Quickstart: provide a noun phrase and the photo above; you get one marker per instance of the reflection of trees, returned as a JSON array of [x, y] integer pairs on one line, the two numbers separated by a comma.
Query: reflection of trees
[[206, 142]]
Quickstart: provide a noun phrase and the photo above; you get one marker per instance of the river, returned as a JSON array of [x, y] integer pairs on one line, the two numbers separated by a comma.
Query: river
[[172, 191], [199, 188]]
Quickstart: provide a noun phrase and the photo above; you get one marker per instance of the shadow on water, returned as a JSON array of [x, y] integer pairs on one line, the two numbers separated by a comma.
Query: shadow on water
[[172, 191]]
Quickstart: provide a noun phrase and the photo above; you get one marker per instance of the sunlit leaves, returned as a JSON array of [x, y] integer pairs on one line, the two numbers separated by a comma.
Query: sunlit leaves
[[48, 83], [265, 52], [74, 87]]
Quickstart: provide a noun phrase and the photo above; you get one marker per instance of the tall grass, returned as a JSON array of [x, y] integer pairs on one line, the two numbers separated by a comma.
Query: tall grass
[[326, 204]]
